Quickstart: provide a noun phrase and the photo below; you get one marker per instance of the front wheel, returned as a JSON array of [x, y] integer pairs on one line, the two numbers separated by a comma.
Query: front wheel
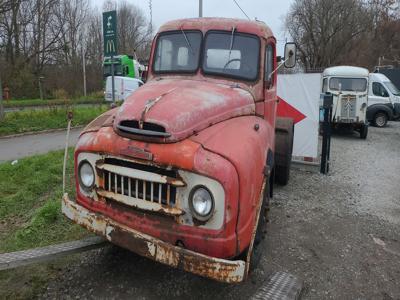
[[364, 131], [380, 119]]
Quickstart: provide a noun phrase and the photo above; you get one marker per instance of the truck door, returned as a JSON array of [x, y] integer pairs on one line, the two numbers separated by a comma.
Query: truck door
[[270, 96], [378, 94]]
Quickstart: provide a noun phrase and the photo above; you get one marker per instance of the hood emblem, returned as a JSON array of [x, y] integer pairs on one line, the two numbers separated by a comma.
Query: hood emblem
[[149, 104]]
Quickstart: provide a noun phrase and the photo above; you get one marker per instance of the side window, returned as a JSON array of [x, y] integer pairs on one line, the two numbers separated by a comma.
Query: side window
[[325, 85], [126, 70], [269, 64], [379, 90]]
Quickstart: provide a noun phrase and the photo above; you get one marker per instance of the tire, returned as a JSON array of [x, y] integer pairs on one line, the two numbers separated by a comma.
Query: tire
[[283, 150], [257, 250], [380, 119], [364, 132]]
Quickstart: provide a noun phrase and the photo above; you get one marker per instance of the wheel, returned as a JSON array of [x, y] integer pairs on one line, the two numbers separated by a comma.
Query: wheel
[[257, 251], [283, 150], [364, 131], [380, 119]]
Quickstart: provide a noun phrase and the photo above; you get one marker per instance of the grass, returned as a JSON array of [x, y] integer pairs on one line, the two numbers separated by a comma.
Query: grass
[[30, 202], [30, 216], [17, 103], [38, 120]]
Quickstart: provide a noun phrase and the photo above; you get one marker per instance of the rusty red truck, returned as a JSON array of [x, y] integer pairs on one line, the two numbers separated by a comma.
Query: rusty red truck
[[183, 171]]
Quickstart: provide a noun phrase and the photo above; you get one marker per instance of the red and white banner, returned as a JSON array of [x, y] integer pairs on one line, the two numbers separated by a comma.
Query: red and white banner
[[299, 99]]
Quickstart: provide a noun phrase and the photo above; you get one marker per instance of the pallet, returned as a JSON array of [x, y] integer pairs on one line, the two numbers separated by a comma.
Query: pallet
[[26, 257]]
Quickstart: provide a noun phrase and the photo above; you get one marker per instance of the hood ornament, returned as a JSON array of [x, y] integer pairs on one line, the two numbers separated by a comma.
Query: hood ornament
[[149, 104]]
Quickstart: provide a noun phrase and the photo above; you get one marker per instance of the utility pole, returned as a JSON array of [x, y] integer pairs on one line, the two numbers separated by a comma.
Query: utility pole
[[1, 102], [200, 8], [84, 72]]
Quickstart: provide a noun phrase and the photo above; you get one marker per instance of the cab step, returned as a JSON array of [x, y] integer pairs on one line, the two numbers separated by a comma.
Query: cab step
[[281, 286]]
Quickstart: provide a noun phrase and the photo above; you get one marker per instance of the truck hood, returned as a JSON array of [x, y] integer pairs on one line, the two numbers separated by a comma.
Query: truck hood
[[178, 108]]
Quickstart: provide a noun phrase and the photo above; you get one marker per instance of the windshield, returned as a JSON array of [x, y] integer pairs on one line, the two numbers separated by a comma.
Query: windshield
[[348, 84], [117, 70], [231, 54], [226, 53], [178, 52], [392, 88]]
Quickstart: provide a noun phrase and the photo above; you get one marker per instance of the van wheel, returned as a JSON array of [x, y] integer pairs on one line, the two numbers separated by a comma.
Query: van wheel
[[257, 251], [380, 119], [364, 131]]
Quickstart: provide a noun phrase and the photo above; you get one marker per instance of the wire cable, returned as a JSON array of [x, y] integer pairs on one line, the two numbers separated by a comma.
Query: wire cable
[[241, 9]]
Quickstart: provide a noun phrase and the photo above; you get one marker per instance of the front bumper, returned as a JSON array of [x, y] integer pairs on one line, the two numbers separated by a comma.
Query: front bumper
[[218, 269]]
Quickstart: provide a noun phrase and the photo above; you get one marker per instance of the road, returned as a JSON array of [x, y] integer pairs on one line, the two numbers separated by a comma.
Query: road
[[339, 233], [22, 146]]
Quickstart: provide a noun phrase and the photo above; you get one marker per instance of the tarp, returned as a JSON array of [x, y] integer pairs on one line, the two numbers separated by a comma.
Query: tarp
[[299, 99]]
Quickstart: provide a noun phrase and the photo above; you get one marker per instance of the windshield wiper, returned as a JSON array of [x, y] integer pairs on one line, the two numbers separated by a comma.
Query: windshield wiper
[[231, 46], [187, 41]]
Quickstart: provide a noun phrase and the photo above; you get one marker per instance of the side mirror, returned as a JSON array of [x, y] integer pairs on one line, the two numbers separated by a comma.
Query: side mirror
[[278, 59], [290, 55]]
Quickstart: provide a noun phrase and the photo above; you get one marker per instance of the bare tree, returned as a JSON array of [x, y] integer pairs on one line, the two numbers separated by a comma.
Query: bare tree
[[326, 30]]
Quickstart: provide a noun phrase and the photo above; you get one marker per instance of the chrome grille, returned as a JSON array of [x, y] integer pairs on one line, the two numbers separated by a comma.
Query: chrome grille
[[348, 106], [139, 189]]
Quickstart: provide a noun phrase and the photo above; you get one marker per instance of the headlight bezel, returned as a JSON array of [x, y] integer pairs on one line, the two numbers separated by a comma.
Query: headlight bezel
[[195, 214], [81, 184]]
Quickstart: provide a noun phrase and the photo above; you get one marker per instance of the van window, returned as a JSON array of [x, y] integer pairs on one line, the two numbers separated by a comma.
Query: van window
[[269, 64], [348, 84], [325, 85], [379, 90], [392, 88]]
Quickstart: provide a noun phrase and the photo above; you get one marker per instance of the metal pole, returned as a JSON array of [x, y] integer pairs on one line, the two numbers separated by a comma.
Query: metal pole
[[200, 8], [112, 79], [84, 73], [1, 101], [40, 88]]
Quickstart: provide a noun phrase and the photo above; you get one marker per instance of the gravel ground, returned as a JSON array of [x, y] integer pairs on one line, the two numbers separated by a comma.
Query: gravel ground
[[338, 233]]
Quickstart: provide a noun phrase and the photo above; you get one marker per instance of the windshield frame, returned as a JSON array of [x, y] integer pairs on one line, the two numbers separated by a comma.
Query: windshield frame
[[224, 75], [169, 32], [365, 90]]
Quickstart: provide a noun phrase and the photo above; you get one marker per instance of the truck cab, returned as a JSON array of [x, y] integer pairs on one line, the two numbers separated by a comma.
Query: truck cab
[[383, 100], [349, 86], [183, 171]]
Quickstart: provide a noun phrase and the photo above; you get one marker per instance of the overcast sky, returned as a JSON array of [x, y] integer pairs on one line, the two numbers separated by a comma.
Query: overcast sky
[[271, 12]]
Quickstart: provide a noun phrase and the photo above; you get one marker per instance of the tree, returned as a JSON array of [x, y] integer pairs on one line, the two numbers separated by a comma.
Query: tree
[[325, 31]]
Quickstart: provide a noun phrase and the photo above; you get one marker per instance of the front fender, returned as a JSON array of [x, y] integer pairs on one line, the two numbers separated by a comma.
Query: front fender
[[373, 109], [245, 142]]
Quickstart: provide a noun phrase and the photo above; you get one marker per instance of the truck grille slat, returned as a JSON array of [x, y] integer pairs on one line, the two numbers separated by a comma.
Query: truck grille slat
[[139, 189]]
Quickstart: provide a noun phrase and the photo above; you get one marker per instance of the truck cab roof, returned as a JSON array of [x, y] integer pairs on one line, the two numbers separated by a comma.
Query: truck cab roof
[[258, 28], [346, 71]]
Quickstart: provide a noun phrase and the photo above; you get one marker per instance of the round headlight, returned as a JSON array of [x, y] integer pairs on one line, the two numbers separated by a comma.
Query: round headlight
[[201, 203], [86, 175]]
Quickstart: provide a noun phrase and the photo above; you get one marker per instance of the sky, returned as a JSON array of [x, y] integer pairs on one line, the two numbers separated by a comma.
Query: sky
[[272, 12]]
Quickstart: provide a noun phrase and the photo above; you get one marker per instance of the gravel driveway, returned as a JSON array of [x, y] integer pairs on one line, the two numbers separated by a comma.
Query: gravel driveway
[[339, 233]]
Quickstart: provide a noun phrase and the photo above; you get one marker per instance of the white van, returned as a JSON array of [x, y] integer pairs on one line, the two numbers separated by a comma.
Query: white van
[[349, 87], [383, 100], [123, 87]]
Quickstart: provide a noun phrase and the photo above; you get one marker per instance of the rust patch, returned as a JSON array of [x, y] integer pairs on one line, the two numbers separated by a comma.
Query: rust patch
[[155, 249]]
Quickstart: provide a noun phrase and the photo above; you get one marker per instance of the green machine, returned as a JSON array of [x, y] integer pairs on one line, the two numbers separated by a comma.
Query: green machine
[[124, 65]]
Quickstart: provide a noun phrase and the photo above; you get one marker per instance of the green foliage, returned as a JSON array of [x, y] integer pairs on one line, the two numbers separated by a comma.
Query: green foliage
[[52, 118], [30, 216], [95, 98]]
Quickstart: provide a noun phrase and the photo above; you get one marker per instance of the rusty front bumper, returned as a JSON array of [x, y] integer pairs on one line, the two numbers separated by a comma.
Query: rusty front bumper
[[155, 249]]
